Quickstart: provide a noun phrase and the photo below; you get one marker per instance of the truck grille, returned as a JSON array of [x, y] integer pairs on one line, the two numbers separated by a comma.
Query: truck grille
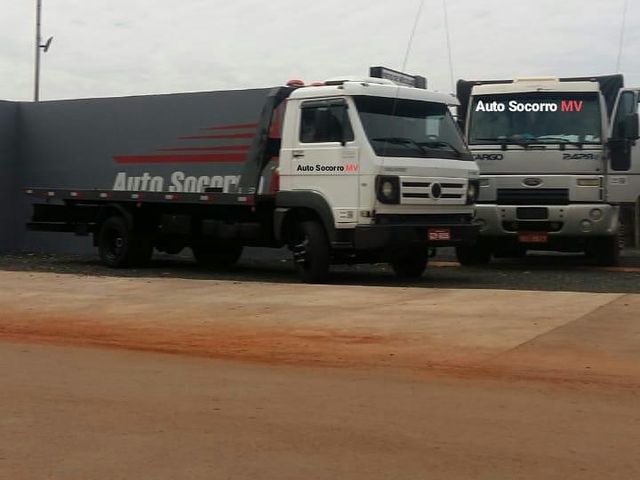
[[437, 219], [432, 191], [532, 226], [530, 196]]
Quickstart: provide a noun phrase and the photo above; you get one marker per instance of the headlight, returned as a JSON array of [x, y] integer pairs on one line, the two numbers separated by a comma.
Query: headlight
[[588, 182], [472, 191], [388, 189]]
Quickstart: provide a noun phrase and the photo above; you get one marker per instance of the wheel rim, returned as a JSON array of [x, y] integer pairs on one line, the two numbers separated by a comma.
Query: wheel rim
[[300, 252], [114, 244]]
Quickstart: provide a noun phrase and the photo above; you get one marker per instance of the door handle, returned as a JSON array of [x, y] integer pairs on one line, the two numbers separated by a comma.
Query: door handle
[[298, 154]]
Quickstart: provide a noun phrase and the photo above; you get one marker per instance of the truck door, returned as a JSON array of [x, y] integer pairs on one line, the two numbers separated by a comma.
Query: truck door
[[325, 157], [623, 169]]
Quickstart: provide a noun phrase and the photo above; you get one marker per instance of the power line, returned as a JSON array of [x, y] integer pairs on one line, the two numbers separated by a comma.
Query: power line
[[624, 16], [413, 32], [446, 28]]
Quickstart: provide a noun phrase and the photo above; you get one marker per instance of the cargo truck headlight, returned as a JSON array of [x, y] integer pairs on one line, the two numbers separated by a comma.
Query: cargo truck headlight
[[588, 182], [388, 189], [472, 191]]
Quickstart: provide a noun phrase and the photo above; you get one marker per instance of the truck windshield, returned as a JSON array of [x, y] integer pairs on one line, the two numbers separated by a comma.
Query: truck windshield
[[523, 118], [411, 128]]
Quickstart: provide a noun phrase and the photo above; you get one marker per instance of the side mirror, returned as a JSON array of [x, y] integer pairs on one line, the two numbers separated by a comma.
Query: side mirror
[[630, 126]]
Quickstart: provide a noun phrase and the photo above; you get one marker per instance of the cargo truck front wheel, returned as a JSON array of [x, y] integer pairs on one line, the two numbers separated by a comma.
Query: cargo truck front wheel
[[120, 247], [478, 254], [311, 253], [605, 251]]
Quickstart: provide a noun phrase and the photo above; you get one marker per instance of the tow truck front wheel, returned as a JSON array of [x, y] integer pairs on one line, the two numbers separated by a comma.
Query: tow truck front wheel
[[120, 246], [311, 253], [410, 265]]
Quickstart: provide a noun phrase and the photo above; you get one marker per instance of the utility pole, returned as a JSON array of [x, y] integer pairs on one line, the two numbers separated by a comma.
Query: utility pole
[[39, 47]]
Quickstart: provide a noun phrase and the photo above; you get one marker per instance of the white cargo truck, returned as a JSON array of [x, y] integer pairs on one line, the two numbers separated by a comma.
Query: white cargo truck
[[559, 161], [346, 171]]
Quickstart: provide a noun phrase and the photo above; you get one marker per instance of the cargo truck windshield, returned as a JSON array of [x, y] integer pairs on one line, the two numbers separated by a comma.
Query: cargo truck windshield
[[523, 118], [411, 128]]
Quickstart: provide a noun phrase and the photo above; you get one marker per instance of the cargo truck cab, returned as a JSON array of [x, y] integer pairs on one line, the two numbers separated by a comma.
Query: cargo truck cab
[[555, 171]]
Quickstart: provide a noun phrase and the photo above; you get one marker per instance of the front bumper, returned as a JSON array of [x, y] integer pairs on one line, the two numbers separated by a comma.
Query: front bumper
[[382, 237], [576, 220]]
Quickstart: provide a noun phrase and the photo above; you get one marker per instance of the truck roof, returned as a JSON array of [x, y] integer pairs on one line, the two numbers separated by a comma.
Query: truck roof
[[354, 88], [608, 85], [523, 86]]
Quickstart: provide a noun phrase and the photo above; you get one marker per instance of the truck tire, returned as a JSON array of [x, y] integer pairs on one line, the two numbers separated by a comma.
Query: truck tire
[[120, 247], [605, 251], [217, 255], [311, 252], [478, 254], [410, 265]]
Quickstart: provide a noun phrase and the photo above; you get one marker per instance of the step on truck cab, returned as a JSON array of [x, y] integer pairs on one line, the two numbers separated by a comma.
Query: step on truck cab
[[555, 170], [347, 171]]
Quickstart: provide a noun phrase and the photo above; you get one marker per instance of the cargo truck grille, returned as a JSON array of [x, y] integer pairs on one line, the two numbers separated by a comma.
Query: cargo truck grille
[[532, 226], [530, 196], [432, 191]]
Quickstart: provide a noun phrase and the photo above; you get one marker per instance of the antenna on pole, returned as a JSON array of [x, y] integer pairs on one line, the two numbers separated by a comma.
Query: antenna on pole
[[624, 16], [39, 47]]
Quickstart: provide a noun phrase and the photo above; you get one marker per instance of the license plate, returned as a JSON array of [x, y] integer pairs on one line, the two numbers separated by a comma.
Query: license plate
[[533, 237], [439, 234]]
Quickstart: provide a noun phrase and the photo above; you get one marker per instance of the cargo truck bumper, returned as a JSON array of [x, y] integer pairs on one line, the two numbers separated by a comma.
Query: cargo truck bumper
[[376, 237], [577, 220]]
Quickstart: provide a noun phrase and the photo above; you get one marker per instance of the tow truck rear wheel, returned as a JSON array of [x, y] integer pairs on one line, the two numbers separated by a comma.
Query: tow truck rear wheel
[[311, 252], [478, 254], [217, 256], [120, 246], [411, 264]]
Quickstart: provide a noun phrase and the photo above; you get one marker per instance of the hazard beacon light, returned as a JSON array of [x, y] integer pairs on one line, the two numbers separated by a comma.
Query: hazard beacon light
[[295, 83]]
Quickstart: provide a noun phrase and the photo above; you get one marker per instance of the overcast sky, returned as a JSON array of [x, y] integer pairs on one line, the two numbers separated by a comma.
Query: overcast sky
[[124, 47]]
